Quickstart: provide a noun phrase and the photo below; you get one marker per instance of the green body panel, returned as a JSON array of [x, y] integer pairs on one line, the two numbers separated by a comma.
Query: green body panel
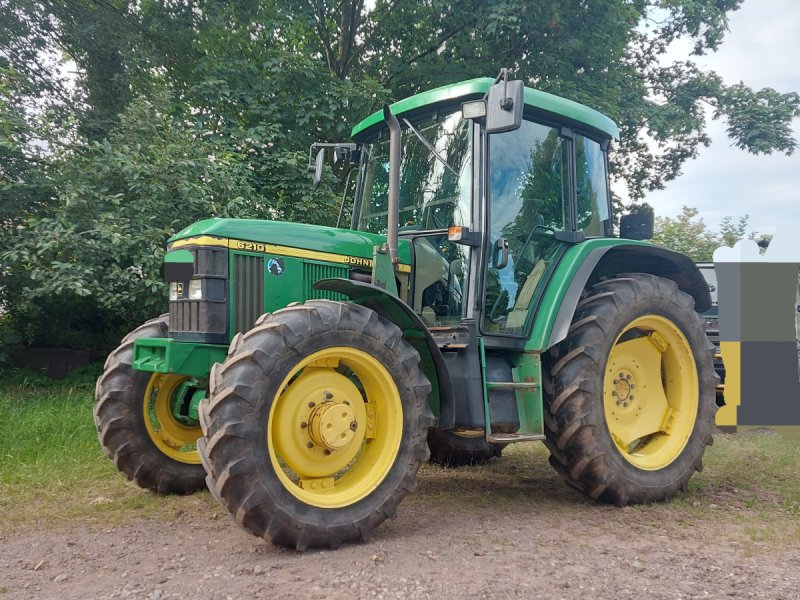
[[529, 401], [487, 414], [383, 274], [316, 238], [527, 374], [559, 107], [178, 256], [191, 415], [559, 284], [165, 355]]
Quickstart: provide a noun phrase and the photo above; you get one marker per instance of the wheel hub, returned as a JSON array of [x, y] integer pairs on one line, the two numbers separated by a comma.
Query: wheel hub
[[624, 385], [332, 425]]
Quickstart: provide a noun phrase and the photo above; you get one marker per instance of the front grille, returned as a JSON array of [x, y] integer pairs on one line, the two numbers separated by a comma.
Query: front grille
[[314, 271], [248, 292], [184, 316], [203, 320]]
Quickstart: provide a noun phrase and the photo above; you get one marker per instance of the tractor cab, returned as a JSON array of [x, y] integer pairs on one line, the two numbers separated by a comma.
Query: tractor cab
[[488, 214]]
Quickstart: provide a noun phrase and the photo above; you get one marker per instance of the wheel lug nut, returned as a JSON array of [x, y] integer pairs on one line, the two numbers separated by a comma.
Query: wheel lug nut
[[328, 395], [628, 377], [346, 402], [310, 445], [353, 425], [303, 425], [625, 404], [326, 452], [312, 404]]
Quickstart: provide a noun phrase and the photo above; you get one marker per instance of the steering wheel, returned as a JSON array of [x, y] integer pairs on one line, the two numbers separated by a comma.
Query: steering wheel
[[490, 316], [541, 231]]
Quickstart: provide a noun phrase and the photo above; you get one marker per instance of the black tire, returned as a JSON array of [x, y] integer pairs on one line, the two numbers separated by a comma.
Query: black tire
[[255, 385], [582, 449], [452, 449], [120, 421]]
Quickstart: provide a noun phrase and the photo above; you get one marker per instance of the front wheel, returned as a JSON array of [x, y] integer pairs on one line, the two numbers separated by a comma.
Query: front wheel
[[631, 400], [315, 426], [136, 421]]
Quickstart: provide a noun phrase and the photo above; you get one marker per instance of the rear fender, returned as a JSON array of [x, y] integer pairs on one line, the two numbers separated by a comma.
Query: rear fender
[[608, 261]]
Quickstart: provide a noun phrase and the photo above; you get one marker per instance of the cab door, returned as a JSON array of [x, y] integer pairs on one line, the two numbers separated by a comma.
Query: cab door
[[528, 205]]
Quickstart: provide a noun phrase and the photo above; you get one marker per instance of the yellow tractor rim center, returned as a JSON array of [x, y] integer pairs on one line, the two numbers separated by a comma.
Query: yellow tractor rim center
[[651, 392], [335, 427], [174, 439]]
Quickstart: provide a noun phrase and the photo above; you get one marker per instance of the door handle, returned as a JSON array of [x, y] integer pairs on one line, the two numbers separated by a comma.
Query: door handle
[[500, 258]]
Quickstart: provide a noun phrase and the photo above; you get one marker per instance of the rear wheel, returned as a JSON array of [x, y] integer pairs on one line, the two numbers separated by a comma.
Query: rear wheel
[[460, 448], [315, 425], [136, 425], [631, 401]]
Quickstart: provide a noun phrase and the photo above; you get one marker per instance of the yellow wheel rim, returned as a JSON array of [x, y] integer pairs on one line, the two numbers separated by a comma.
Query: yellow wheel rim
[[651, 392], [335, 427], [172, 438]]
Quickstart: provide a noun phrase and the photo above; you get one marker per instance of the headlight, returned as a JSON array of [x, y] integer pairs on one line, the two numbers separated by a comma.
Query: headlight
[[175, 290], [195, 289]]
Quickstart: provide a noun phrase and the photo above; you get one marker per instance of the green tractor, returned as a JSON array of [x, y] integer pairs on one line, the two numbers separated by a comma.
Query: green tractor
[[479, 297]]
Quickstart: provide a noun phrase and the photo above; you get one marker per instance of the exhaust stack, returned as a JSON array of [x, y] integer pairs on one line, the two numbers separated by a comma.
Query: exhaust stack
[[395, 136]]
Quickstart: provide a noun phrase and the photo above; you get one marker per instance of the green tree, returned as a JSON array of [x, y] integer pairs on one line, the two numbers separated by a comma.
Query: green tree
[[116, 205], [687, 233], [616, 65], [109, 155]]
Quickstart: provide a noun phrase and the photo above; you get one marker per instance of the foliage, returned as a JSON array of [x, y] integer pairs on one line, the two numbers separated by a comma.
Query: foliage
[[118, 203], [121, 120], [688, 234]]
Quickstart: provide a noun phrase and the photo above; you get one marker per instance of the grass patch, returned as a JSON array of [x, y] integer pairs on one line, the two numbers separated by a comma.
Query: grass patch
[[52, 468], [52, 471]]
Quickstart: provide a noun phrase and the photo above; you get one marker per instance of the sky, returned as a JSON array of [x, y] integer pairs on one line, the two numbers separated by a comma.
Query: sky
[[762, 49]]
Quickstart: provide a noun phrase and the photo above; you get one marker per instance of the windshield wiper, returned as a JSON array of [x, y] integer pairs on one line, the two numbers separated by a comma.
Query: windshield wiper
[[430, 147]]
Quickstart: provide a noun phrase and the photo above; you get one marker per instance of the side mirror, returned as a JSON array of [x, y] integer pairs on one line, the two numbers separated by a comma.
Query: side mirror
[[637, 226], [504, 106], [317, 168]]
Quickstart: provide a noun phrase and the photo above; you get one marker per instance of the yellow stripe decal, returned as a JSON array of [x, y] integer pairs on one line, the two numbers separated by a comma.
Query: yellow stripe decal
[[201, 240], [205, 240]]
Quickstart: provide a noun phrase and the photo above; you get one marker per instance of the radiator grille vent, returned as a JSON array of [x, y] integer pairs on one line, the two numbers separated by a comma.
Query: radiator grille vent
[[313, 271], [248, 293]]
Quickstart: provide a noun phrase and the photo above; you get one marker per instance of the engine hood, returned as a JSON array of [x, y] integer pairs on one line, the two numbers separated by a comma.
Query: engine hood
[[298, 236]]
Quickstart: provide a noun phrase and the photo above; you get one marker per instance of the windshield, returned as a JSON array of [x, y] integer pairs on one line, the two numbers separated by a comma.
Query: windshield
[[433, 195]]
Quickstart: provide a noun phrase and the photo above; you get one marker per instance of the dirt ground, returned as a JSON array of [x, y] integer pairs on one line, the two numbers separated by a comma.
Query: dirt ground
[[496, 531]]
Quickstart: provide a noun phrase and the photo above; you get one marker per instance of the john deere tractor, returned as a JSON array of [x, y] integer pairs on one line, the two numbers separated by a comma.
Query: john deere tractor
[[479, 298]]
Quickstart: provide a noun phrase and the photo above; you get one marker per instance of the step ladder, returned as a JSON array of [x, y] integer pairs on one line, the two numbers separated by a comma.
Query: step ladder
[[526, 384]]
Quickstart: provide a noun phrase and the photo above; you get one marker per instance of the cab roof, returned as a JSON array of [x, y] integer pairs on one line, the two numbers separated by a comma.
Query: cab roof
[[542, 102]]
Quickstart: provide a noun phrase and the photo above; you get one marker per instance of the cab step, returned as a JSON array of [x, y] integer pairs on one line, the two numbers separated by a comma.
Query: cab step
[[506, 438], [526, 385]]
